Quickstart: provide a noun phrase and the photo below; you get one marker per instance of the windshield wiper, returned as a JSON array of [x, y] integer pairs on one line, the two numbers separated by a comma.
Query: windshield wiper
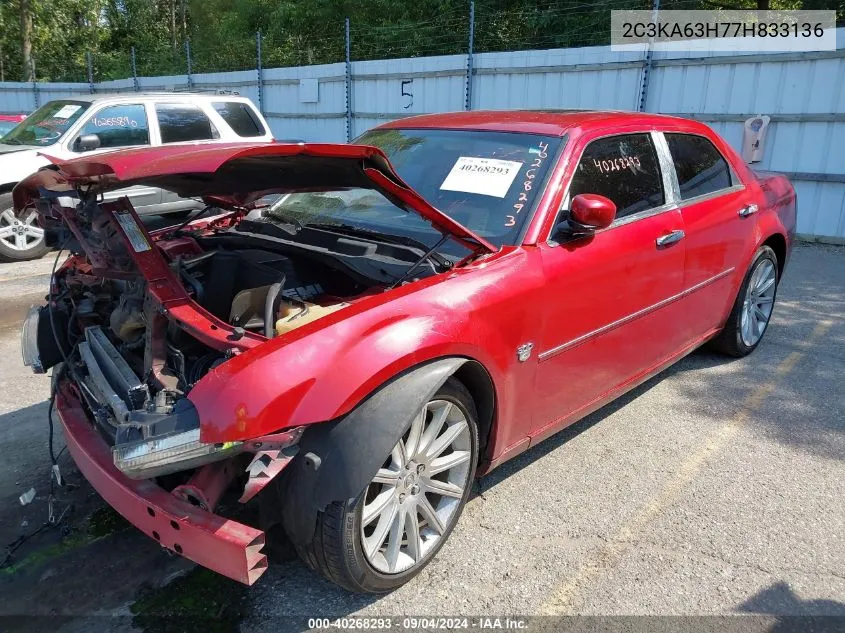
[[349, 229], [429, 254], [10, 141]]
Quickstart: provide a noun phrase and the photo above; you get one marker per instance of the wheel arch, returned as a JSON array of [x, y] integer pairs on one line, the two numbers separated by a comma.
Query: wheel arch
[[338, 458], [777, 242], [475, 377]]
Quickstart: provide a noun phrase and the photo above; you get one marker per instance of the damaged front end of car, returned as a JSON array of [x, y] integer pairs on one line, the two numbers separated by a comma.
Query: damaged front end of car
[[123, 370], [135, 323]]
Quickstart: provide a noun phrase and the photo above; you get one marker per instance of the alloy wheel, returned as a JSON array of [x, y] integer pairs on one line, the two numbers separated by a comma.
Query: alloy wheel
[[20, 234], [414, 498], [759, 302]]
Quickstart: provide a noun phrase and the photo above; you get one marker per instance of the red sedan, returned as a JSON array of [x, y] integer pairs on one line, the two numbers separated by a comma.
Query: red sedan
[[412, 311], [8, 122]]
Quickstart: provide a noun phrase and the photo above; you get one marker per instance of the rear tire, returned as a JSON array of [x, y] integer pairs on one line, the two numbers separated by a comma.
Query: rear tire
[[341, 549], [752, 309]]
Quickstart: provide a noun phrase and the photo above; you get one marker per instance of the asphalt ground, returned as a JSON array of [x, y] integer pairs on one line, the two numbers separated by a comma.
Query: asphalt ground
[[714, 489]]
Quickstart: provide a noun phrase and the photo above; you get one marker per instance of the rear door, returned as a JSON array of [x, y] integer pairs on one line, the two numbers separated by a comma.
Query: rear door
[[610, 302], [718, 213], [182, 123]]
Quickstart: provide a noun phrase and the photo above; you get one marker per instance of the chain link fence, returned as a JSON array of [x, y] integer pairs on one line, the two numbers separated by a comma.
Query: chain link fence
[[480, 26], [488, 26]]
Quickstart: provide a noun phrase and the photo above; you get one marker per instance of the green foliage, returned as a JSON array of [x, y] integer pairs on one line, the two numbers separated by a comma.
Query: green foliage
[[294, 32]]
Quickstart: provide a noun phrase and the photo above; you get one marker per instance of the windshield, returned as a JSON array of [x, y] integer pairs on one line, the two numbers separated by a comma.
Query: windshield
[[487, 181], [46, 125]]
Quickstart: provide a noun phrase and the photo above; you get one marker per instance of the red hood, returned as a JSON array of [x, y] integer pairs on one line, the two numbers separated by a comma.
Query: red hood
[[235, 175]]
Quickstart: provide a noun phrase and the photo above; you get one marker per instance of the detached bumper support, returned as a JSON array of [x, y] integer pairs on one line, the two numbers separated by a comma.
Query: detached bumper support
[[227, 547]]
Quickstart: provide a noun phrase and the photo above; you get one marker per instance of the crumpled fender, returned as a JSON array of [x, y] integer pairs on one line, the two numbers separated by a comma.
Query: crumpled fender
[[337, 459], [324, 369]]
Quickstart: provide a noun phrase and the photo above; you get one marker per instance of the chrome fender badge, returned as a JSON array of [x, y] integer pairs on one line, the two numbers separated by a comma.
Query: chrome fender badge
[[523, 352]]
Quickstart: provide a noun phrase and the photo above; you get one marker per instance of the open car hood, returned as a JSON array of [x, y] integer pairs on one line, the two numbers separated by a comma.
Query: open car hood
[[233, 176]]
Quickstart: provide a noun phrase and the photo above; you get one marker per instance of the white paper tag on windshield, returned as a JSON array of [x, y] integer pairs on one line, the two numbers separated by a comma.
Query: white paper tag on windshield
[[485, 176], [66, 112]]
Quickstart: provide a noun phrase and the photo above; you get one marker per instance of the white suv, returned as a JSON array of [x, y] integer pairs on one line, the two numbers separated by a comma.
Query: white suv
[[68, 128]]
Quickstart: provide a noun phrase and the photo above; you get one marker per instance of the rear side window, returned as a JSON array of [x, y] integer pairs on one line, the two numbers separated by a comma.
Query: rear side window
[[624, 169], [180, 122], [700, 167], [119, 126], [240, 118]]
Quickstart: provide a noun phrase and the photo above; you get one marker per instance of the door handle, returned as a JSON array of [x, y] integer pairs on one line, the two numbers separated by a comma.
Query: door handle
[[670, 238], [747, 210]]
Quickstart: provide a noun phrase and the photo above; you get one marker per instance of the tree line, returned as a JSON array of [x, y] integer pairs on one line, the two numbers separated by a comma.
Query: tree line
[[57, 40]]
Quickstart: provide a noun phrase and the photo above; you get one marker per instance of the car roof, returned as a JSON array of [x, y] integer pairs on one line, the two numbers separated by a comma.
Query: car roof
[[155, 96], [548, 122]]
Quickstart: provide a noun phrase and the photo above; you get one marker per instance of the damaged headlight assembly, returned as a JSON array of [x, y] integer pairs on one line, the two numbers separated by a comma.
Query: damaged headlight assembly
[[169, 453]]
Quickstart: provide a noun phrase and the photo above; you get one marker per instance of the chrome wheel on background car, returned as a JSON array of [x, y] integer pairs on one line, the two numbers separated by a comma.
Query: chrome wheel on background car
[[413, 500], [759, 302], [20, 238]]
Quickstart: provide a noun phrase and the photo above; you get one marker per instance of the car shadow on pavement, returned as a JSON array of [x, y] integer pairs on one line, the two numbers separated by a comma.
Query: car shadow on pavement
[[794, 614], [554, 442]]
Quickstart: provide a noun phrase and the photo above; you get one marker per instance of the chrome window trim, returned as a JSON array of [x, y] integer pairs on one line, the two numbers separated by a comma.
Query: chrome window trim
[[709, 196], [554, 351], [671, 188], [639, 215]]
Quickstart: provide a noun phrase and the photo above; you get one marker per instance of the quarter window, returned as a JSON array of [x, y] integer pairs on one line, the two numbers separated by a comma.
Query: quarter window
[[181, 122], [240, 118], [700, 167], [624, 169], [119, 126]]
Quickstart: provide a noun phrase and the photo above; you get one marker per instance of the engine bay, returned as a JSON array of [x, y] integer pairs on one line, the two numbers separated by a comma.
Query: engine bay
[[121, 305]]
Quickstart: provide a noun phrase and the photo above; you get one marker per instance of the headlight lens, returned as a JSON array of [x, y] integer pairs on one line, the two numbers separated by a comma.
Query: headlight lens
[[170, 453], [29, 341]]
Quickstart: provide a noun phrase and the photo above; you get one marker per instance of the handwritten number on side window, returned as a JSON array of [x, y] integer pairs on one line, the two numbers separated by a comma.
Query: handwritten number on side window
[[617, 164]]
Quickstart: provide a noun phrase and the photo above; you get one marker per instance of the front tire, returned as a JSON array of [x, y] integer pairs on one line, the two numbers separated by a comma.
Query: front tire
[[20, 238], [752, 310], [385, 536]]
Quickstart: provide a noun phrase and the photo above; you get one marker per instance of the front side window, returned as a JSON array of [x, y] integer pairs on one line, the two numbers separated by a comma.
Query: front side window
[[182, 122], [624, 169], [240, 118], [700, 167], [47, 124], [119, 126]]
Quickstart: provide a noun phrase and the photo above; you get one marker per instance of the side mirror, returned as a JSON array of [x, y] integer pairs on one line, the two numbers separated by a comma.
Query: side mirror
[[86, 143], [590, 212]]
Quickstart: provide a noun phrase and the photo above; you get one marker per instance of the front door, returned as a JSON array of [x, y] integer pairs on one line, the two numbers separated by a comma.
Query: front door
[[610, 299], [120, 126]]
